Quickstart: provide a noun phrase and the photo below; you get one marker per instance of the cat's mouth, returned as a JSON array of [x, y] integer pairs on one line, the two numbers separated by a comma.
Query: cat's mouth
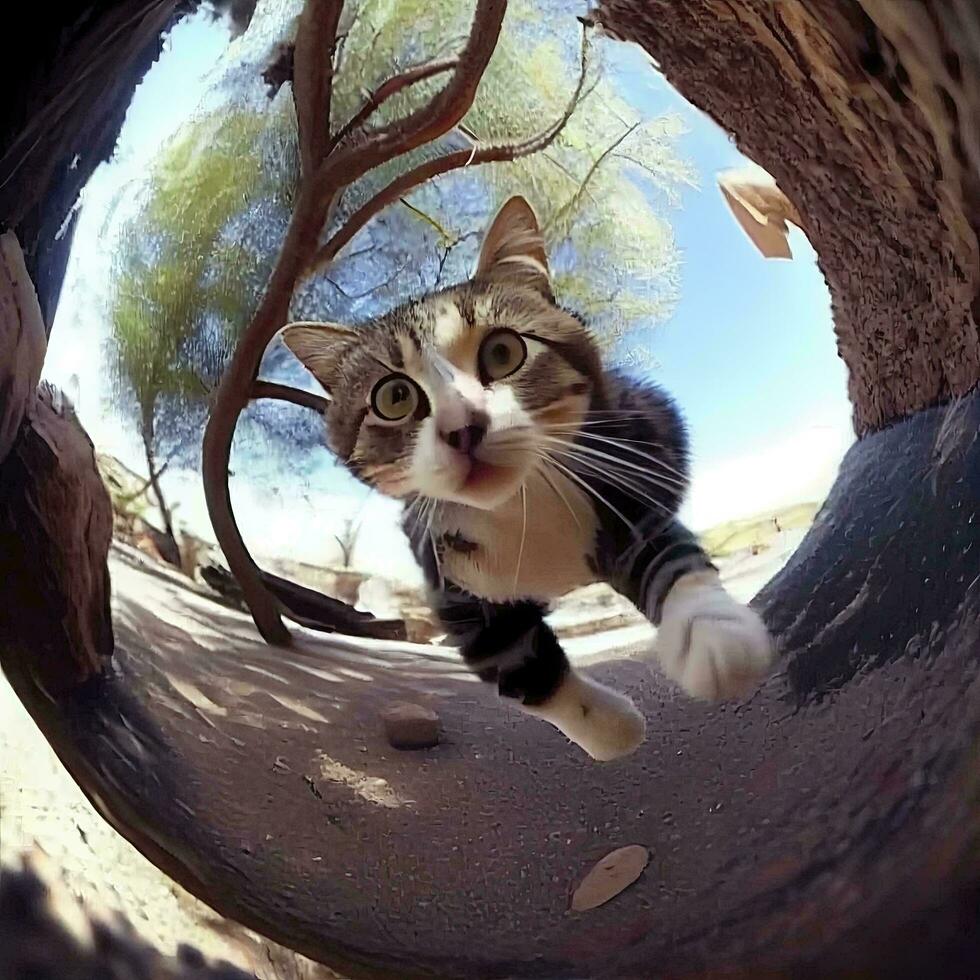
[[486, 485], [481, 472]]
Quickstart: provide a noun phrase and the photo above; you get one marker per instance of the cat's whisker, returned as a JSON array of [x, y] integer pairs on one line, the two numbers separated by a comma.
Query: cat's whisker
[[623, 444], [609, 474], [589, 490], [653, 461], [617, 481], [509, 440], [621, 481], [615, 413], [547, 479], [520, 550], [604, 464], [432, 512], [620, 442], [435, 555]]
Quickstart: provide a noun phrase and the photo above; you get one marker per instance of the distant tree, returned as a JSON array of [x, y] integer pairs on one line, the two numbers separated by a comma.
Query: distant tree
[[347, 539], [180, 289]]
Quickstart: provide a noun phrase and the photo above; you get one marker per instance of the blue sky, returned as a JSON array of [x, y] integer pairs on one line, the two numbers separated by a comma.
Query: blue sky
[[749, 352]]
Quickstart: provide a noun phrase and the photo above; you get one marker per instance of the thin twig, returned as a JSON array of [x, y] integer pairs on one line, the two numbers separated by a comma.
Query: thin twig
[[386, 90], [596, 164], [286, 393], [424, 172], [442, 265], [429, 220], [372, 289]]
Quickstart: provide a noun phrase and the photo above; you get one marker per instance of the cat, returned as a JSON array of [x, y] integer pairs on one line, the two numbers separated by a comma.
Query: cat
[[528, 470]]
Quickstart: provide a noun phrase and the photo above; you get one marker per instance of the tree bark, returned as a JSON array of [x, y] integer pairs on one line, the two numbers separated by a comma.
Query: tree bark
[[867, 113], [55, 528], [22, 342], [67, 83], [55, 515]]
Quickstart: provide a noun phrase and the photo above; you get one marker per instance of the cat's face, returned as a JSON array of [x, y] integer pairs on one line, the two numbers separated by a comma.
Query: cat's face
[[455, 396]]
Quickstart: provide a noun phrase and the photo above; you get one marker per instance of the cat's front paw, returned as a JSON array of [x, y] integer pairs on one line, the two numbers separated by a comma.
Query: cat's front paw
[[603, 723], [714, 647]]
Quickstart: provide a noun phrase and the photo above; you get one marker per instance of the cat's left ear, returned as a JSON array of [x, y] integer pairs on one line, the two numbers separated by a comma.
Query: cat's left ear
[[319, 347], [514, 249]]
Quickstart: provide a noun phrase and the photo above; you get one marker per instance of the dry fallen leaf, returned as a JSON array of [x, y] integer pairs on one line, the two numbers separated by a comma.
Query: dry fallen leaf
[[616, 871]]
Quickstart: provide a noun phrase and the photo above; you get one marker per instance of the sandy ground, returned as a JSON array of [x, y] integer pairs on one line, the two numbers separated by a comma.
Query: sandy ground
[[42, 808]]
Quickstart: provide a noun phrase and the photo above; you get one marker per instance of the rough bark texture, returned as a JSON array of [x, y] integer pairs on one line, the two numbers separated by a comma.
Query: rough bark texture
[[867, 115], [22, 342], [829, 825], [67, 79], [55, 527]]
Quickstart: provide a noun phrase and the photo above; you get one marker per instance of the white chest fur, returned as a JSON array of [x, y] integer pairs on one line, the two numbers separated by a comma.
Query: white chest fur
[[538, 545]]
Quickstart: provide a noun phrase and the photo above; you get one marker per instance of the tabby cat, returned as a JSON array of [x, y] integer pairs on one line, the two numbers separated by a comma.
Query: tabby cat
[[528, 469]]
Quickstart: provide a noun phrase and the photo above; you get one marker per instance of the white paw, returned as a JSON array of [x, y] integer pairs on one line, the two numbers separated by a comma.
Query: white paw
[[605, 724], [711, 645]]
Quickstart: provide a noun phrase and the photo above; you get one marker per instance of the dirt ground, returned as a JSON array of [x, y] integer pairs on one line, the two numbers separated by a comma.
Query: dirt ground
[[45, 818]]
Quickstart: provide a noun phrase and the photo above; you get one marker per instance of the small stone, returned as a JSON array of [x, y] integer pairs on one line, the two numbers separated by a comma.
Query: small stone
[[411, 726]]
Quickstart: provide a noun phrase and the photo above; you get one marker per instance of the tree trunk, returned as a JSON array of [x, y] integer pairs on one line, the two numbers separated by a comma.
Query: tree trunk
[[67, 84], [169, 548], [55, 527], [22, 342], [867, 113]]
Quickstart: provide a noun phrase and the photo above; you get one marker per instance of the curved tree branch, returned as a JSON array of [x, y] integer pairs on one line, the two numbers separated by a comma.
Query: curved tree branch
[[389, 88], [316, 39], [286, 393], [427, 123], [323, 175], [408, 181]]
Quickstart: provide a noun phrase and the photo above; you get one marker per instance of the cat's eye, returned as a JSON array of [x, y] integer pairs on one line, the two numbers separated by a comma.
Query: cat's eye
[[501, 354], [395, 398]]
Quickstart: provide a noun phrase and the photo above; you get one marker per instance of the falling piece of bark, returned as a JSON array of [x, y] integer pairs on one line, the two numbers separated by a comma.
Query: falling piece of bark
[[615, 872], [761, 209]]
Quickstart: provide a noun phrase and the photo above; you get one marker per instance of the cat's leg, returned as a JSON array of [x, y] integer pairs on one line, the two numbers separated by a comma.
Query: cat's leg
[[511, 645], [604, 723], [713, 646]]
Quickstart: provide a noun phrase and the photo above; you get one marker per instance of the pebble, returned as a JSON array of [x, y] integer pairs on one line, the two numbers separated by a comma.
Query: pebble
[[410, 726]]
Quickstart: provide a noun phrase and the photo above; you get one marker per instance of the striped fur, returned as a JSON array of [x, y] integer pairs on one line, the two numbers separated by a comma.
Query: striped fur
[[522, 487]]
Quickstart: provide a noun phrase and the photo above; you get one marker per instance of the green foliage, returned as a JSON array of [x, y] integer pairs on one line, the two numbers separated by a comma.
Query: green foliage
[[597, 190], [188, 273], [193, 259]]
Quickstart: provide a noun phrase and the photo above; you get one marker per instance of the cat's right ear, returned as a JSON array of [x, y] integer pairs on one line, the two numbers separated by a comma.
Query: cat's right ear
[[514, 249], [319, 347]]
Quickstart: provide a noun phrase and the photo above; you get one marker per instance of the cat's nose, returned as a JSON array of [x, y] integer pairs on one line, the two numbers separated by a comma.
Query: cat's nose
[[467, 438]]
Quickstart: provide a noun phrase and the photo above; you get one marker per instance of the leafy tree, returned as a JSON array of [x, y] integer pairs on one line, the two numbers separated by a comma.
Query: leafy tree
[[180, 285]]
